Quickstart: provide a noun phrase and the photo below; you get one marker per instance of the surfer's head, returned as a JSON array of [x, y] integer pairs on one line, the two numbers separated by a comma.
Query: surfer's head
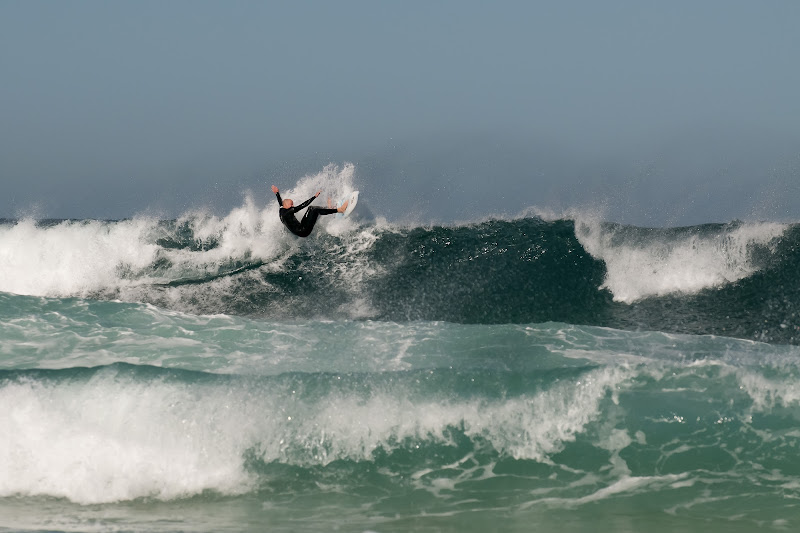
[[287, 203]]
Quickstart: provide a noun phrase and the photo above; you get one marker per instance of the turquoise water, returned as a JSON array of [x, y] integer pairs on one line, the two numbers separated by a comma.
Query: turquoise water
[[215, 374]]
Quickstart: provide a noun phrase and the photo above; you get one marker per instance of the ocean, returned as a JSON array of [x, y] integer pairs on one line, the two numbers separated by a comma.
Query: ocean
[[526, 373]]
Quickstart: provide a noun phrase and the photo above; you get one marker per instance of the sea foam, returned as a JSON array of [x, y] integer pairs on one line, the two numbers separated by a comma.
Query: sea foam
[[118, 258], [643, 263], [118, 434]]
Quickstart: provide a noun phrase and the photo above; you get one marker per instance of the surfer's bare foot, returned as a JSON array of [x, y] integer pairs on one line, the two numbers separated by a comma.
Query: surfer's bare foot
[[330, 205], [343, 208]]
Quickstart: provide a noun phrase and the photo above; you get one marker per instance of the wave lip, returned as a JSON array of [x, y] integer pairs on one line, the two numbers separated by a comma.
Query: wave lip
[[72, 258], [643, 263]]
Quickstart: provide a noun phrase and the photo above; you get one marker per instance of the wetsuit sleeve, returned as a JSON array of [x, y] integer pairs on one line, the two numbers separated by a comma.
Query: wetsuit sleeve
[[280, 202], [305, 204]]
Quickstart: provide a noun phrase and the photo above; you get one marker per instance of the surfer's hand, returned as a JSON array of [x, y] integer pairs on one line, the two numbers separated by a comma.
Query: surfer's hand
[[275, 189], [318, 192]]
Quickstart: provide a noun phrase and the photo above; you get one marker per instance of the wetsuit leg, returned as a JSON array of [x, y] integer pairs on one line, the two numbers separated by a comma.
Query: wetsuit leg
[[311, 216]]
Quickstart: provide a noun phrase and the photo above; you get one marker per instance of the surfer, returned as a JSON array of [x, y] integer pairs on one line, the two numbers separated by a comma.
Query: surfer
[[303, 227]]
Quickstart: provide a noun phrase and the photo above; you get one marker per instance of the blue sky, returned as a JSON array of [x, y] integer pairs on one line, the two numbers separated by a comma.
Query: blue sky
[[660, 112]]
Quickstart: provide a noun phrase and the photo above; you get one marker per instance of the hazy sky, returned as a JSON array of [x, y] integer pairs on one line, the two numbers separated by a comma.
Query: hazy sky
[[662, 112]]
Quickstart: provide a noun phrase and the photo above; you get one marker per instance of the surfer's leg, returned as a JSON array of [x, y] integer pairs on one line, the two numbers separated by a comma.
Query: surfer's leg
[[311, 216], [315, 212]]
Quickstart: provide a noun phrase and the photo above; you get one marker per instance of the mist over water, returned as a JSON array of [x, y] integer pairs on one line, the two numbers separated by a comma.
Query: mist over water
[[712, 171]]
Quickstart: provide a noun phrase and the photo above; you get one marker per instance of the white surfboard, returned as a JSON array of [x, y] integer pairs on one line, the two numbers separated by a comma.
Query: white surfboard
[[352, 199]]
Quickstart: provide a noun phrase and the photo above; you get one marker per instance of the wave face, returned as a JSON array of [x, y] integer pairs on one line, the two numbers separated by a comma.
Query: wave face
[[710, 279]]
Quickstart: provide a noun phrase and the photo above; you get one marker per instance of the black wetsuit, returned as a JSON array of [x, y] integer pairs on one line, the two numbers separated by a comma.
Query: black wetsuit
[[303, 227]]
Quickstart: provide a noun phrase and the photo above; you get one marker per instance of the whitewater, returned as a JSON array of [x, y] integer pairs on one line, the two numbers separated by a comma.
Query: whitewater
[[215, 373]]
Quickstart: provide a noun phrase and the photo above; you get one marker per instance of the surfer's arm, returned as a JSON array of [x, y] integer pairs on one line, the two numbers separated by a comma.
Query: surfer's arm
[[278, 195], [306, 203]]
